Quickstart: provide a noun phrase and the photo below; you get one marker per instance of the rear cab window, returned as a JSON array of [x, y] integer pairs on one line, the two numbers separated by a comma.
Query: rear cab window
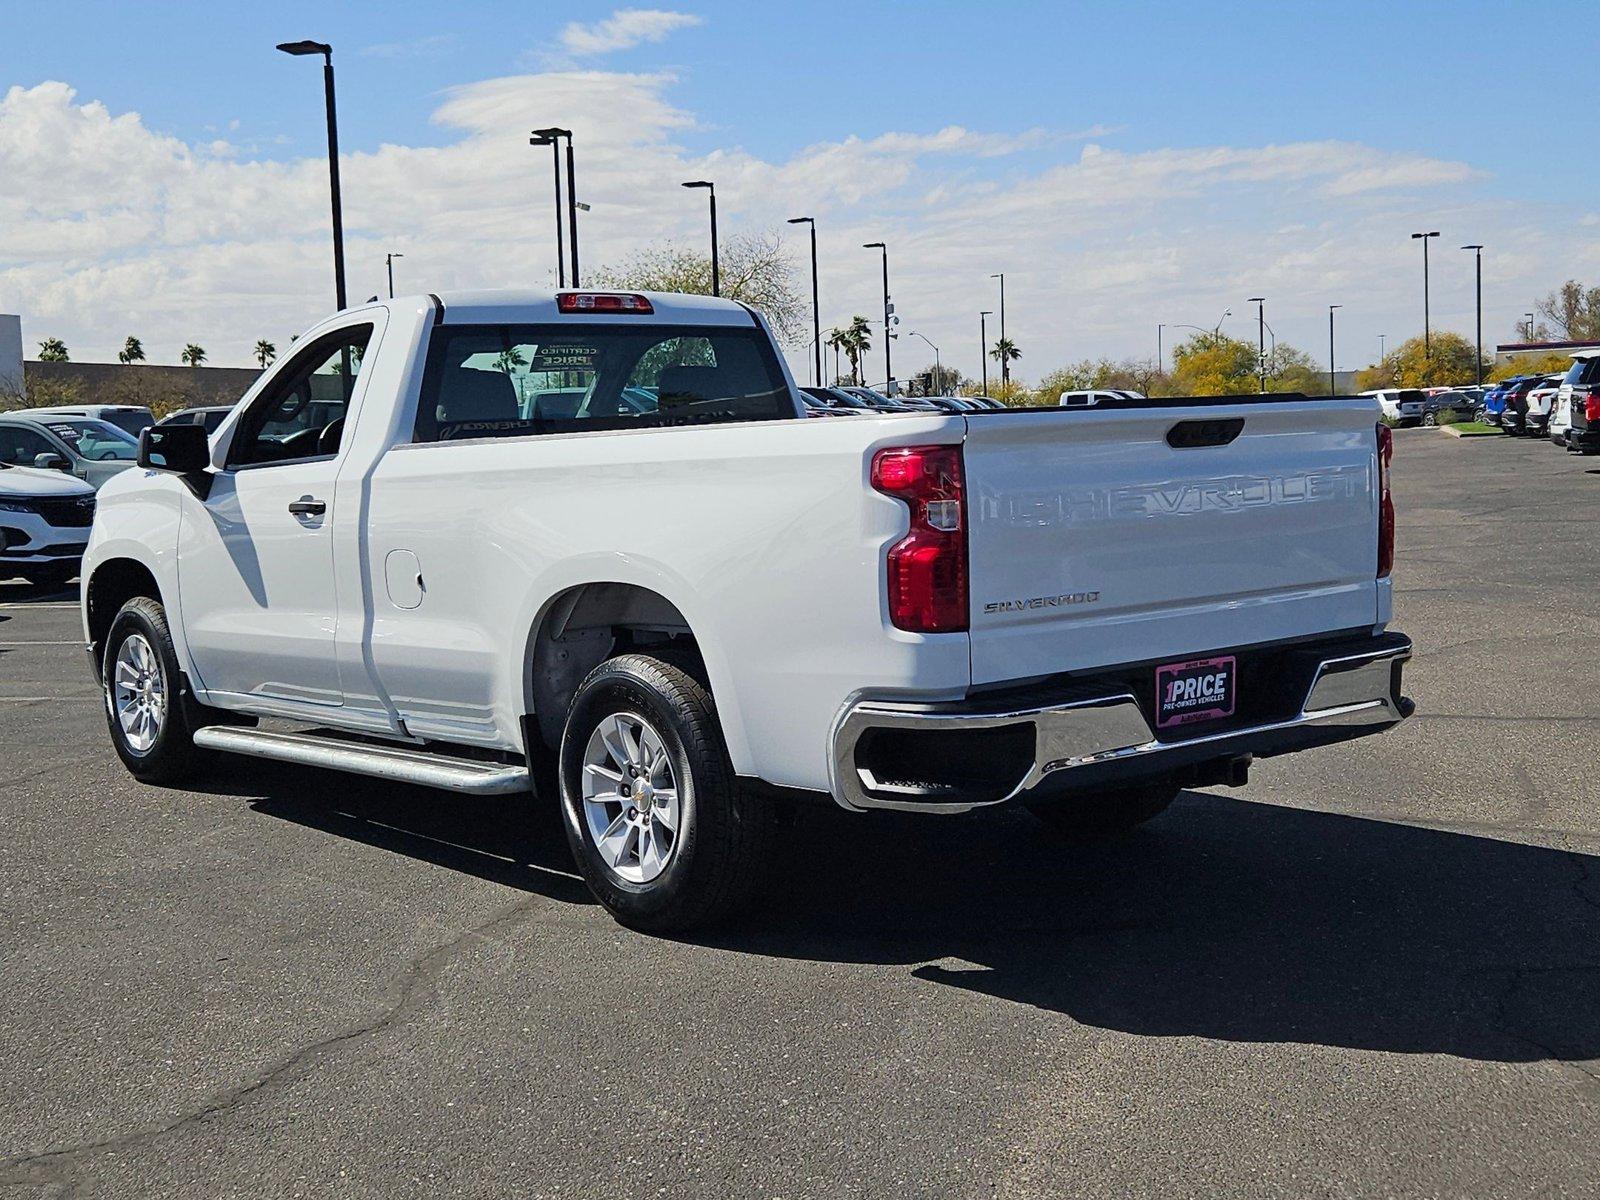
[[487, 381], [1584, 372]]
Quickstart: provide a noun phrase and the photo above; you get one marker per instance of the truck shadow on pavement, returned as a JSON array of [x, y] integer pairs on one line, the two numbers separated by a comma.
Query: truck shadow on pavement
[[1223, 919]]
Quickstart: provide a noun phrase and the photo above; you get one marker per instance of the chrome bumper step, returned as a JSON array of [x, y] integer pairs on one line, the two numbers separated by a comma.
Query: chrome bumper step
[[1353, 690], [398, 763]]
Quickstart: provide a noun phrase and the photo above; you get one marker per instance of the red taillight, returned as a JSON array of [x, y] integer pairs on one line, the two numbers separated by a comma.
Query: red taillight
[[1591, 408], [927, 567], [1385, 502], [603, 302]]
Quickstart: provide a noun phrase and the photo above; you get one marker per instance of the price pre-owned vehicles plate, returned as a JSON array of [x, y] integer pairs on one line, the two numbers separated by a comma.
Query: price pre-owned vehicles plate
[[1202, 689]]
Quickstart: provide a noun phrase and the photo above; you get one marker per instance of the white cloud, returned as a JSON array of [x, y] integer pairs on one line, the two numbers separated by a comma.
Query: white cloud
[[109, 227], [421, 47], [622, 30]]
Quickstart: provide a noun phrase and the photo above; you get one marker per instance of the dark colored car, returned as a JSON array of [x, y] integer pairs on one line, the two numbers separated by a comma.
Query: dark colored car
[[1513, 403], [210, 416]]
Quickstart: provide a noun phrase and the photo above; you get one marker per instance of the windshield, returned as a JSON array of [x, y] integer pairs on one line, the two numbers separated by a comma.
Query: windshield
[[95, 440], [132, 421], [519, 380]]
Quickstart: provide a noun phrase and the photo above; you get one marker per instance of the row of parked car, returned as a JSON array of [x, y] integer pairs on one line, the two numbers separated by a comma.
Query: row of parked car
[[1562, 405], [52, 461]]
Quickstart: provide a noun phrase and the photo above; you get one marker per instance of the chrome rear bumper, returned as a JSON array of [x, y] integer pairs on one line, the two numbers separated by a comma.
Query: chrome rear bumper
[[1350, 694]]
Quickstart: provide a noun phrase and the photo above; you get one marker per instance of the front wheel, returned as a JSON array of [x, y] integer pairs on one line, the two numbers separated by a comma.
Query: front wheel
[[1106, 815], [1430, 419], [652, 809], [146, 711]]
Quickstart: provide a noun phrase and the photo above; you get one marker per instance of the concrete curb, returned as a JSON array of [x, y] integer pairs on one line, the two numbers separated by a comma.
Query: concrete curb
[[1453, 431]]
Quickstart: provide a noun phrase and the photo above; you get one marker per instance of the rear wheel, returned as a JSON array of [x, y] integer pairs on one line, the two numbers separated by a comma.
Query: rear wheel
[[652, 808], [150, 719], [1094, 818]]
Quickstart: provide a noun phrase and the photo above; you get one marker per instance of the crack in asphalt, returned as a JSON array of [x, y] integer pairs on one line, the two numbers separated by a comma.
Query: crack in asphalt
[[57, 1169]]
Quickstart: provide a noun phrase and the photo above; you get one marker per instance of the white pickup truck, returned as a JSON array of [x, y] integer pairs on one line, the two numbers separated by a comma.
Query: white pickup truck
[[588, 544]]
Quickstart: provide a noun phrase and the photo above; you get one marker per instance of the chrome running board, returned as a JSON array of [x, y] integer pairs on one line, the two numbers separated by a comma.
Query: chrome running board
[[402, 765]]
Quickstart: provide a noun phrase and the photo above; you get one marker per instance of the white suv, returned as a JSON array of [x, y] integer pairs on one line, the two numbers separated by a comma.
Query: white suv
[[1581, 381], [1403, 406]]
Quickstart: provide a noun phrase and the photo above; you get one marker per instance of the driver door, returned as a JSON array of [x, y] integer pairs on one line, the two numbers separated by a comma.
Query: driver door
[[255, 561]]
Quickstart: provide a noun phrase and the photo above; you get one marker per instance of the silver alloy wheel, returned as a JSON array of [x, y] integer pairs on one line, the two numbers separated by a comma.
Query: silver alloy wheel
[[630, 797], [138, 693]]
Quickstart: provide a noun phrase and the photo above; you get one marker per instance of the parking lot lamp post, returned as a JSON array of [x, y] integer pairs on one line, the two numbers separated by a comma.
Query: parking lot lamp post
[[1261, 338], [1332, 389], [938, 369], [888, 370], [716, 270], [1477, 254], [816, 311], [1005, 363], [1159, 355], [388, 262], [983, 345], [1427, 333], [1530, 325], [322, 48], [551, 138]]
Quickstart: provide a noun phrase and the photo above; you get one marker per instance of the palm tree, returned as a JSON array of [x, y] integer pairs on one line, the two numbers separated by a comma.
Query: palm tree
[[52, 350], [857, 343], [1005, 352], [193, 355], [132, 351], [509, 360], [265, 352]]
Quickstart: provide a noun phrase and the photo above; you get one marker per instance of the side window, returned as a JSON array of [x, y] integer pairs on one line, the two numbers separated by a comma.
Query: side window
[[301, 414], [19, 446]]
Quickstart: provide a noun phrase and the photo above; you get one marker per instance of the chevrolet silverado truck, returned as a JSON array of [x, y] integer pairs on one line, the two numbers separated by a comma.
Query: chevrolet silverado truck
[[587, 545]]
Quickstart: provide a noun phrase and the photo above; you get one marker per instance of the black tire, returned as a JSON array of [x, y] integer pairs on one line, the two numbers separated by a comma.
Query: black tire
[[724, 839], [1480, 416], [1095, 818], [172, 756], [1430, 419]]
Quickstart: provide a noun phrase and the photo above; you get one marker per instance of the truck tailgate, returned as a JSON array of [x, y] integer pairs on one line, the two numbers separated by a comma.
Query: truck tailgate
[[1094, 540]]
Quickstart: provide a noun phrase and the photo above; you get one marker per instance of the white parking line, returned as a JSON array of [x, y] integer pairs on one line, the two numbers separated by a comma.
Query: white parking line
[[39, 604], [41, 643]]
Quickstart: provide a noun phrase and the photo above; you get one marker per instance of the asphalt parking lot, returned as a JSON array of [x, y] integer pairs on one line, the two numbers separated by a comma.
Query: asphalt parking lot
[[1373, 971]]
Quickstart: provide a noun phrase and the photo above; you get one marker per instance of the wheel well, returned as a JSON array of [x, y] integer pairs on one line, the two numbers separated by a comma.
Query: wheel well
[[585, 625], [113, 584]]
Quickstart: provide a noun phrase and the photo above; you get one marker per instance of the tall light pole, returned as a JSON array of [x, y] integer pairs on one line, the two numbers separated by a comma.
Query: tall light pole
[[551, 138], [1477, 254], [388, 262], [938, 369], [322, 48], [1530, 325], [1005, 363], [716, 269], [1160, 355], [816, 310], [983, 345], [1261, 338], [1332, 389], [1427, 332], [1382, 350], [888, 370]]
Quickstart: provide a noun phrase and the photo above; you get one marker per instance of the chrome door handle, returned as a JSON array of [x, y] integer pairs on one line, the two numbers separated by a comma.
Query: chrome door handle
[[307, 508]]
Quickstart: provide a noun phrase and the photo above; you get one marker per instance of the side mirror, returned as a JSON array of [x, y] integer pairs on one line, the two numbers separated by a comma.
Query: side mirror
[[181, 449], [51, 461]]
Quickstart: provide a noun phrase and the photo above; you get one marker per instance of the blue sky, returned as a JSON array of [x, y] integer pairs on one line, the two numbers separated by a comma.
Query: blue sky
[[1298, 144]]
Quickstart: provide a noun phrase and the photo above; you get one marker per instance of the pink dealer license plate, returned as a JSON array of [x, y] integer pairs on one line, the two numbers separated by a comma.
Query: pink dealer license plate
[[1201, 690]]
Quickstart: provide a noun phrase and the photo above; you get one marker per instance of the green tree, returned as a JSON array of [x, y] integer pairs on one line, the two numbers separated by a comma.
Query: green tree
[[265, 352], [52, 350], [855, 339], [1449, 360], [1005, 353], [754, 269], [1573, 310], [192, 355], [132, 351], [1214, 365]]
